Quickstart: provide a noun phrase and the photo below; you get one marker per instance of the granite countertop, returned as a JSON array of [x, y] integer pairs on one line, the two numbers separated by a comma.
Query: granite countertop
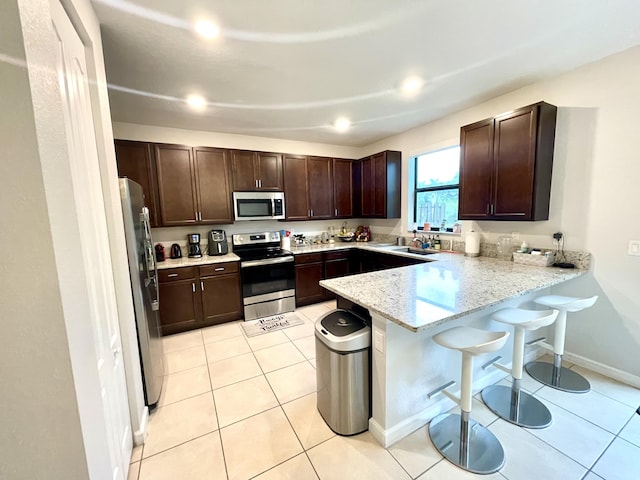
[[194, 262], [429, 294]]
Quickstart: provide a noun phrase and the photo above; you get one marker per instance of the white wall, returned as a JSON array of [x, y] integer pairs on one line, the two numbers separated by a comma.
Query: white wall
[[41, 432], [50, 388], [596, 175]]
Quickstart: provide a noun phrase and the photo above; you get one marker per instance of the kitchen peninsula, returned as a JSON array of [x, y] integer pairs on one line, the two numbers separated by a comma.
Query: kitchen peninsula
[[409, 305]]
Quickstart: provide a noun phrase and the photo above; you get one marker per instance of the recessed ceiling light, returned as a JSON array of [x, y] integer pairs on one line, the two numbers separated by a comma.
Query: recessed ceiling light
[[342, 124], [206, 29], [196, 102], [411, 85]]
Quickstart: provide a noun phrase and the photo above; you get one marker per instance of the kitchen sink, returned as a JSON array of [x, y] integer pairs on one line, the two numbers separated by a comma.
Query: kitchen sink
[[417, 251]]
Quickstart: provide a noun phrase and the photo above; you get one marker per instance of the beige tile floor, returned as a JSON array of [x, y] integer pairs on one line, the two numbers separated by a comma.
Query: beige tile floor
[[238, 408]]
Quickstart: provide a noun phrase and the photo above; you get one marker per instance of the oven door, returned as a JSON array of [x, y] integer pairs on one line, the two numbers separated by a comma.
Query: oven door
[[268, 279]]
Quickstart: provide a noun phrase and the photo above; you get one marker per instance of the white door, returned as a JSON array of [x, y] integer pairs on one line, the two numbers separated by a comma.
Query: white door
[[87, 191]]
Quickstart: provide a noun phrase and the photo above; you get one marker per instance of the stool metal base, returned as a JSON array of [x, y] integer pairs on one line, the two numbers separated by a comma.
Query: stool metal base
[[516, 406], [482, 452], [560, 378]]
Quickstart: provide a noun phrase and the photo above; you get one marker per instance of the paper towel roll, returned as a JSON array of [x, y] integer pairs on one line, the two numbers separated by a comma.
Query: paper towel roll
[[472, 244], [285, 243]]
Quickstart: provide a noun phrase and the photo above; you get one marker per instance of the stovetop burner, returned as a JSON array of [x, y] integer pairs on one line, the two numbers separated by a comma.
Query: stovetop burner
[[258, 246]]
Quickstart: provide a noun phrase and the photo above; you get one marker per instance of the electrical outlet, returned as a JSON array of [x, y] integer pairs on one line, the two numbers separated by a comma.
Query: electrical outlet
[[634, 248], [557, 236]]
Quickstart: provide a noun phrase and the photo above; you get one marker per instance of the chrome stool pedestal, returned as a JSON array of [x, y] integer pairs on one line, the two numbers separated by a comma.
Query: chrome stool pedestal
[[511, 403], [554, 374], [461, 440]]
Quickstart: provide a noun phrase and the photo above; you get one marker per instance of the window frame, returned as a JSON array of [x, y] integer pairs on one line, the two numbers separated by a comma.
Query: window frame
[[416, 190]]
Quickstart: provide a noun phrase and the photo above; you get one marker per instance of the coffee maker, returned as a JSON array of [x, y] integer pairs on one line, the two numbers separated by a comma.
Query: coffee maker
[[194, 245], [218, 244]]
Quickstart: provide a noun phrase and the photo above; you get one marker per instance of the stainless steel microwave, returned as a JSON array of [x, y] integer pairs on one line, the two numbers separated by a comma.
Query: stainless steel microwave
[[258, 206]]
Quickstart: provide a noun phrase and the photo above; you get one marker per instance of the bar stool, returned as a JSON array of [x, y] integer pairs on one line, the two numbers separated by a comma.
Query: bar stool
[[461, 440], [554, 374], [511, 403]]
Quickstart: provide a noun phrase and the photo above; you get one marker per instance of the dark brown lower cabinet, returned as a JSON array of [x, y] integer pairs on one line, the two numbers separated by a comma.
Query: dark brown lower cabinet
[[313, 267], [309, 272], [196, 297]]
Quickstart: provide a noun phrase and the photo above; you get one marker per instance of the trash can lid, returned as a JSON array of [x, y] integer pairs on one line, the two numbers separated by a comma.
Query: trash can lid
[[341, 323], [343, 331]]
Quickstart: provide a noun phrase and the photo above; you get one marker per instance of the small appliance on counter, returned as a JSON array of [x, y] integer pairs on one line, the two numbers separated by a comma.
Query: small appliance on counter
[[176, 251], [160, 257], [218, 244], [194, 245]]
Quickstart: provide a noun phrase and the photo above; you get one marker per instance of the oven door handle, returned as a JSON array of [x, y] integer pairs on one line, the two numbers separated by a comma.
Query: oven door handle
[[267, 261]]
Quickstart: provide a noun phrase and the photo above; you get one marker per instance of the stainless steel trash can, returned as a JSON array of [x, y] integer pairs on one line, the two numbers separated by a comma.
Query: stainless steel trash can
[[343, 349]]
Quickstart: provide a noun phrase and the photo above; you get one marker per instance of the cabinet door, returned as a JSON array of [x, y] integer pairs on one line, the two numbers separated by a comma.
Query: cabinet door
[[243, 171], [320, 187], [295, 187], [221, 299], [379, 166], [476, 167], [308, 289], [176, 186], [342, 188], [212, 181], [179, 306], [367, 187], [269, 171], [514, 154], [135, 161]]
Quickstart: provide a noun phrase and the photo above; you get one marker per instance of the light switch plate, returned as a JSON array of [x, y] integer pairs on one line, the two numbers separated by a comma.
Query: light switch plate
[[634, 247], [378, 341]]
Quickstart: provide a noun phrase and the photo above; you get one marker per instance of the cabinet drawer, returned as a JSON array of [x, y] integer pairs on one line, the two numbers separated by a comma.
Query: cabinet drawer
[[340, 254], [218, 269], [173, 274], [308, 258]]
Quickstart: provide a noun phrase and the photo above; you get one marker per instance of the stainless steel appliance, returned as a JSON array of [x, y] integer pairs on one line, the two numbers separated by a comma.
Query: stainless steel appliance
[[217, 243], [268, 274], [258, 205], [194, 245], [144, 288]]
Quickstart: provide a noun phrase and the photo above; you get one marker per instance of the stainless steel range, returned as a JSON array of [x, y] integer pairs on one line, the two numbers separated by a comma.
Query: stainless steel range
[[268, 274]]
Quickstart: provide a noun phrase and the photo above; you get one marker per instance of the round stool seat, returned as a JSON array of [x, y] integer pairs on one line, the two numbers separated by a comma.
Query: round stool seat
[[527, 319], [569, 304], [471, 340]]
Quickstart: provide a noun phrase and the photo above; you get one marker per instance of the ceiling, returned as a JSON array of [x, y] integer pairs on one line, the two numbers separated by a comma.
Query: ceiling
[[288, 68]]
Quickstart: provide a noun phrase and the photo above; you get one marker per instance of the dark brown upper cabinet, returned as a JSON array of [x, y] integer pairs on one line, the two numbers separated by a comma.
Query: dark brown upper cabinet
[[343, 188], [256, 171], [135, 161], [506, 164], [380, 189], [193, 185], [308, 187]]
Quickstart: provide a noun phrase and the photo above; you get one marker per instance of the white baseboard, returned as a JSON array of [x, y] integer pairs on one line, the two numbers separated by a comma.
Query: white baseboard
[[601, 368], [140, 435]]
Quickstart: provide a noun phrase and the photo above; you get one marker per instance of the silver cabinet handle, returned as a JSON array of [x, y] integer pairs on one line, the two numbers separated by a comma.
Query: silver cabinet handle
[[172, 275], [155, 305], [336, 214], [202, 286], [260, 183], [193, 287], [219, 269], [256, 183]]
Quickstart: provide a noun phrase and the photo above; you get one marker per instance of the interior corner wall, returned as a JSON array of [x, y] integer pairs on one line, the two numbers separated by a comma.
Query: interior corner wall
[[596, 174], [41, 433]]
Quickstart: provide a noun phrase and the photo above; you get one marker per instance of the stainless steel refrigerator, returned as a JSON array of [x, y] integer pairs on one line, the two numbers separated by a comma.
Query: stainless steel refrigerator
[[144, 288]]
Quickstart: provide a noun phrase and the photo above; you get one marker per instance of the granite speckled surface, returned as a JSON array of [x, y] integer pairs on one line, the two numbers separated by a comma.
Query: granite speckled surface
[[425, 295], [191, 262]]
